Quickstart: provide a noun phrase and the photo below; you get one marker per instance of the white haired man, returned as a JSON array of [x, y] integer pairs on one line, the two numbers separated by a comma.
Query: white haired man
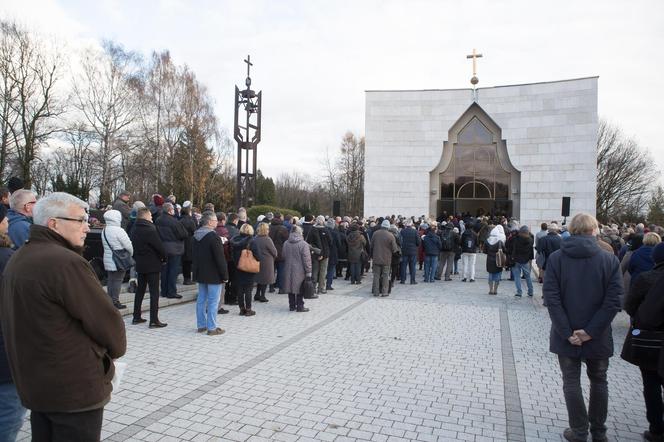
[[21, 204], [61, 330]]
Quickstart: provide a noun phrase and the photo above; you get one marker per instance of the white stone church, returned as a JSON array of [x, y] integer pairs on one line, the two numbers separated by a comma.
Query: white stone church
[[513, 150]]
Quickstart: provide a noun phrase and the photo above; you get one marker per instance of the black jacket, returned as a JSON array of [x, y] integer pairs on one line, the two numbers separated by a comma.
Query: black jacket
[[520, 248], [469, 241], [5, 374], [278, 235], [640, 288], [335, 245], [431, 242], [172, 233], [189, 224], [209, 263], [547, 245], [410, 241], [319, 237], [239, 243], [582, 289], [149, 251]]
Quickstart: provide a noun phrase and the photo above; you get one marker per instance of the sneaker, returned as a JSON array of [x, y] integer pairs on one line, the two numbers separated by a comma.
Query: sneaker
[[216, 331], [222, 311], [517, 295], [472, 280], [201, 329], [568, 434], [652, 437]]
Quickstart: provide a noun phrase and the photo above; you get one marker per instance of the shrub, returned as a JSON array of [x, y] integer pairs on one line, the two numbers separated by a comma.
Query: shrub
[[255, 211]]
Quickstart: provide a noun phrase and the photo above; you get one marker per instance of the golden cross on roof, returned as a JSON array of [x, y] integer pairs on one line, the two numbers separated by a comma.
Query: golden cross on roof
[[474, 56]]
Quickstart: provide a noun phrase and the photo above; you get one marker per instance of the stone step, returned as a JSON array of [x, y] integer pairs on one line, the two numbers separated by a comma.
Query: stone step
[[188, 292]]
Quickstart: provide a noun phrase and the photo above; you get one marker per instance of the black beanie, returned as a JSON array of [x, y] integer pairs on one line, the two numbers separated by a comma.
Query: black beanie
[[14, 184]]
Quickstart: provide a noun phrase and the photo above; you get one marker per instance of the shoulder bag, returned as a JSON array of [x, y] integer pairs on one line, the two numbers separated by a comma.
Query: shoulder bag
[[642, 347], [121, 258], [247, 262]]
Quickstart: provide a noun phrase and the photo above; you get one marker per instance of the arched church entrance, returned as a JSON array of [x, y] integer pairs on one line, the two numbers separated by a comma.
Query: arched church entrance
[[475, 175]]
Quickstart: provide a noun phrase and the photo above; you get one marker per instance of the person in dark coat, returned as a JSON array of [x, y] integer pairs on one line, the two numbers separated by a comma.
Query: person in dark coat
[[521, 254], [645, 288], [210, 272], [278, 235], [493, 244], [231, 290], [268, 253], [356, 246], [335, 245], [641, 259], [547, 245], [172, 234], [244, 280], [121, 204], [297, 267], [149, 254], [343, 251], [410, 243], [396, 258], [11, 409], [383, 247], [190, 226], [582, 290], [432, 248]]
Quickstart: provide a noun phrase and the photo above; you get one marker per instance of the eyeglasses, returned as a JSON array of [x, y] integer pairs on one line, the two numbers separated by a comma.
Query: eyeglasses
[[78, 220]]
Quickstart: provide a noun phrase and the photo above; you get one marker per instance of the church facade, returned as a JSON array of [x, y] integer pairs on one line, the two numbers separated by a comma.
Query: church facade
[[508, 150]]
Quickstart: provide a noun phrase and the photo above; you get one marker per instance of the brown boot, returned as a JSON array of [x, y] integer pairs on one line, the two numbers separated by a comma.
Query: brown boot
[[249, 312], [243, 311]]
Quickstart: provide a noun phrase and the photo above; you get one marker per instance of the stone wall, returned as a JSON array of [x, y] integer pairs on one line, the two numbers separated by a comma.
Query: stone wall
[[550, 130]]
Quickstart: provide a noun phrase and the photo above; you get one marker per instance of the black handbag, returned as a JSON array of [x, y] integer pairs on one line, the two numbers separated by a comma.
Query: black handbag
[[642, 347], [307, 288], [121, 258]]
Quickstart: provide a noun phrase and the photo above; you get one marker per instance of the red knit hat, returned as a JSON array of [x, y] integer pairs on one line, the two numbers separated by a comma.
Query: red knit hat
[[158, 200]]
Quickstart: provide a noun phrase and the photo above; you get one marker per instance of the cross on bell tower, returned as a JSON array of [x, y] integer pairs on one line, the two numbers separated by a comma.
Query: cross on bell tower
[[247, 137]]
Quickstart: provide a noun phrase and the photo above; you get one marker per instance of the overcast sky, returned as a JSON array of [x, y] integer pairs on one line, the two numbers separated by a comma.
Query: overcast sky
[[314, 59]]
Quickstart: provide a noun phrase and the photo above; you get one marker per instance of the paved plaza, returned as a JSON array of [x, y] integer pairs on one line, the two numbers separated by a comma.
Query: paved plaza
[[442, 361]]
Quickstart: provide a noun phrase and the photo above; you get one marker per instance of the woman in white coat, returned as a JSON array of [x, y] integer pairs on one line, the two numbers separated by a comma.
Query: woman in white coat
[[114, 237]]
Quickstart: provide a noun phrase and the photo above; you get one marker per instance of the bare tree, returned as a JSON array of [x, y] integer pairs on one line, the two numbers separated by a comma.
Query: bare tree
[[30, 104], [105, 96], [344, 174], [625, 173]]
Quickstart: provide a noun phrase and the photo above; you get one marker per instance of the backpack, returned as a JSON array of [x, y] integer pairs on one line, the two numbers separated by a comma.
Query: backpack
[[446, 240], [470, 242]]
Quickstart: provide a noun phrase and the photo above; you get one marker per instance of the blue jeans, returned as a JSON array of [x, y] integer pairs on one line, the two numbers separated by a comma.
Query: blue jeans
[[430, 265], [11, 412], [495, 277], [169, 275], [595, 415], [408, 262], [355, 271], [329, 276], [208, 298], [280, 275], [516, 274]]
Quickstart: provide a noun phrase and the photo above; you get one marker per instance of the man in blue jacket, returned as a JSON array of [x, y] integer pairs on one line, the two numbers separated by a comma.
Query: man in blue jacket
[[21, 203], [582, 291]]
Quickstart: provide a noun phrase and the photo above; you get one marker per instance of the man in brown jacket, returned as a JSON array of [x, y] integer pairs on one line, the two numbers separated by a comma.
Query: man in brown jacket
[[61, 329], [383, 246]]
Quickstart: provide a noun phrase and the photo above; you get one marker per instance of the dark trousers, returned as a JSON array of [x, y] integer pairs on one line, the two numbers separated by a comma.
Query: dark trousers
[[231, 288], [260, 291], [355, 271], [186, 270], [244, 296], [598, 403], [652, 393], [329, 277], [169, 275], [280, 273], [295, 301], [340, 268], [150, 280], [408, 262], [66, 427]]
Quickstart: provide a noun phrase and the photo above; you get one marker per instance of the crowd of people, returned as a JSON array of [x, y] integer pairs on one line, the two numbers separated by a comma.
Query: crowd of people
[[588, 272]]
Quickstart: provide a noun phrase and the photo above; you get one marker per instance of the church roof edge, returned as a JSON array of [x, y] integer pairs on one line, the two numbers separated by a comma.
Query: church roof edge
[[480, 88]]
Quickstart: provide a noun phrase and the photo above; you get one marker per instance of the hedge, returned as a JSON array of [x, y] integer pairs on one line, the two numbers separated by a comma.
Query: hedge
[[255, 211]]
